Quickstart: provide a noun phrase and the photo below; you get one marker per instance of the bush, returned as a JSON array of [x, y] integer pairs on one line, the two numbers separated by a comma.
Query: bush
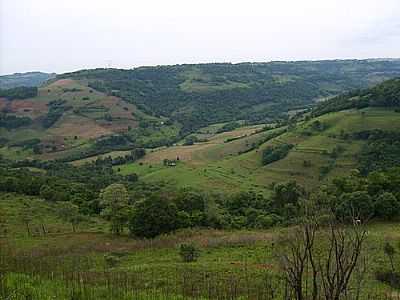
[[267, 221], [189, 252], [388, 277], [387, 206], [276, 153], [153, 216], [111, 260]]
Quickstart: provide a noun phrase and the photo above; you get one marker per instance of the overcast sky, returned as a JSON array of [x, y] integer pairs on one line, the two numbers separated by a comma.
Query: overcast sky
[[67, 35]]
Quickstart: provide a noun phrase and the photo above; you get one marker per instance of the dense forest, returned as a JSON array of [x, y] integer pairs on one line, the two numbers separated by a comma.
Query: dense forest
[[22, 92]]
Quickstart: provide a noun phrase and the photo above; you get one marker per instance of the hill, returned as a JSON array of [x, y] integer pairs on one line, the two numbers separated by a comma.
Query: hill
[[210, 215], [198, 95], [24, 79], [66, 119], [386, 94], [91, 112], [323, 148]]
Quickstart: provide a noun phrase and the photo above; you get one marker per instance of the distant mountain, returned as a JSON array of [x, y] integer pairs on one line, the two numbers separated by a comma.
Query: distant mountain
[[24, 79]]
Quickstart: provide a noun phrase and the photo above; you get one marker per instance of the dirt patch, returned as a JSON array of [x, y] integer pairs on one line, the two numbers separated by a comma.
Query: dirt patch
[[52, 144], [118, 126], [80, 127], [29, 108], [3, 103], [61, 83], [185, 153]]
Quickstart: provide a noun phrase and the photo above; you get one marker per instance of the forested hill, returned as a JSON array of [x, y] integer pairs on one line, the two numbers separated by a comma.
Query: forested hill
[[24, 79], [197, 95], [386, 94]]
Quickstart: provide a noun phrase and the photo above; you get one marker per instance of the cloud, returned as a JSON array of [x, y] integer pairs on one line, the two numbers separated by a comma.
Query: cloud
[[66, 35]]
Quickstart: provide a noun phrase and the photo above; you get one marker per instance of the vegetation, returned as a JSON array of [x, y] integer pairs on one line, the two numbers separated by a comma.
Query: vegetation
[[198, 95], [12, 122], [304, 208], [19, 93], [24, 79], [386, 94], [272, 154]]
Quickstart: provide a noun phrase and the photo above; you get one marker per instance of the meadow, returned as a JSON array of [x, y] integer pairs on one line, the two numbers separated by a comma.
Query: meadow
[[92, 264]]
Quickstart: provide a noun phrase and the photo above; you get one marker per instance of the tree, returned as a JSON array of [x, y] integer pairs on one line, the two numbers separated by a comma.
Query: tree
[[324, 270], [114, 200], [387, 206], [47, 193], [153, 216], [70, 213], [286, 193], [355, 205]]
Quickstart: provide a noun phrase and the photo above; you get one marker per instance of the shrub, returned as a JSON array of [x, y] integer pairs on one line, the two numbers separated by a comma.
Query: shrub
[[189, 252], [388, 277], [153, 216], [267, 221], [276, 153], [111, 260], [387, 206]]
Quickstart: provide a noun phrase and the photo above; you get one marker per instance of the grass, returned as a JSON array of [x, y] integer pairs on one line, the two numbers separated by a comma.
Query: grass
[[219, 165], [231, 263]]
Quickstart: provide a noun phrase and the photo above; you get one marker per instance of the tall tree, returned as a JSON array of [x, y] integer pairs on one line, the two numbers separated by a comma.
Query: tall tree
[[114, 200]]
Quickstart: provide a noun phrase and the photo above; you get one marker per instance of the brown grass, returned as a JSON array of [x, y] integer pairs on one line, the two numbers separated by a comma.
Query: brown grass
[[61, 83], [86, 242], [71, 125], [196, 154], [29, 108]]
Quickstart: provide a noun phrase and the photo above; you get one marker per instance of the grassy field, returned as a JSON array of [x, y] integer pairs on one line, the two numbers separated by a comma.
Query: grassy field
[[218, 164], [95, 265]]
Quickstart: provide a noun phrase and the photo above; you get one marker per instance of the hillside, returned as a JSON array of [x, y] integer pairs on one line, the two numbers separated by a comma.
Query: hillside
[[24, 79], [219, 213], [198, 95], [386, 94], [320, 153], [69, 120], [92, 112]]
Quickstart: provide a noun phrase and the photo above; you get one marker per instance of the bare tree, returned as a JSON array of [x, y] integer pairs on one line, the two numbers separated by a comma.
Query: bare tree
[[320, 262], [345, 243], [297, 257]]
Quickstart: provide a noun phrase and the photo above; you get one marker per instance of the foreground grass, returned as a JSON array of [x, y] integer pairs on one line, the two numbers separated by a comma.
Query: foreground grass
[[92, 264]]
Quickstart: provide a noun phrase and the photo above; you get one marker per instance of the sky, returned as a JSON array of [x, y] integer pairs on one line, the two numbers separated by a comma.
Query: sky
[[68, 35]]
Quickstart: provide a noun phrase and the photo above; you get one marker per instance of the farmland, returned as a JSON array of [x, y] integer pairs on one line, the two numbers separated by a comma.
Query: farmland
[[218, 164]]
